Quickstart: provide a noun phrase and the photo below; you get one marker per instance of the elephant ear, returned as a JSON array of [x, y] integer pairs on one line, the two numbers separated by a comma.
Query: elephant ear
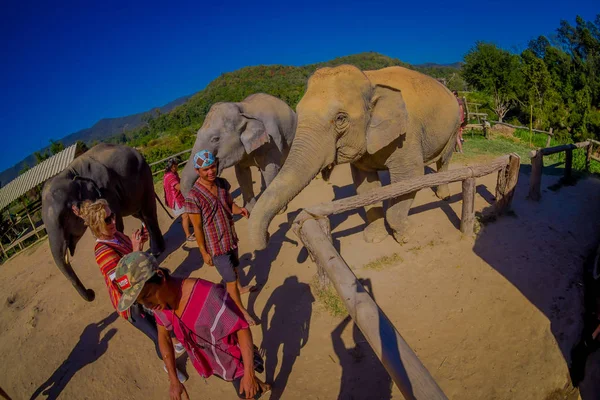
[[254, 134], [389, 118]]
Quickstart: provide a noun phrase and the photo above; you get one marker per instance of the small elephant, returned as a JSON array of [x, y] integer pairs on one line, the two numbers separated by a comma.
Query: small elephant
[[393, 118], [257, 131], [116, 173]]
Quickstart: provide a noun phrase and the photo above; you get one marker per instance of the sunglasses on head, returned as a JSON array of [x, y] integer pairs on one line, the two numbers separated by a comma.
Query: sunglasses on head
[[109, 220]]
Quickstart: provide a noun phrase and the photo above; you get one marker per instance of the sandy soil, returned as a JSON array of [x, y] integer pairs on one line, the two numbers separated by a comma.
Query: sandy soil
[[491, 317]]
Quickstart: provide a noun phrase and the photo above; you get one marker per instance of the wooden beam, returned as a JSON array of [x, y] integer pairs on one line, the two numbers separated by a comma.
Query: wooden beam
[[546, 151], [535, 179], [467, 219], [407, 186], [595, 158], [174, 155], [507, 184], [594, 141], [588, 155], [524, 127], [568, 163], [404, 367], [549, 138]]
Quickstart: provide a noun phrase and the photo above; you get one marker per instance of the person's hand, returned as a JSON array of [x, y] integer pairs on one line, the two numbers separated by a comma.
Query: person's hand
[[145, 234], [177, 391], [248, 385], [207, 259], [136, 240], [244, 212]]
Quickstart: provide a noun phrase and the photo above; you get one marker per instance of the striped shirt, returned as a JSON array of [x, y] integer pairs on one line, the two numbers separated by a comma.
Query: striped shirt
[[108, 253], [217, 216], [208, 329]]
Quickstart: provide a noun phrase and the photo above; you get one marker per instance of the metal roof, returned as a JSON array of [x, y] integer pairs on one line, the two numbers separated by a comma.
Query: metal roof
[[36, 175]]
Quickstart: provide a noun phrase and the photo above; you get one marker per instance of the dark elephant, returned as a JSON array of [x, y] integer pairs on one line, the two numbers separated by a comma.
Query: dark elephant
[[256, 132], [116, 173]]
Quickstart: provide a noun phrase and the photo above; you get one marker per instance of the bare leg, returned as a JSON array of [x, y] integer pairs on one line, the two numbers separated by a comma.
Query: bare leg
[[364, 181], [185, 223], [244, 177], [234, 293]]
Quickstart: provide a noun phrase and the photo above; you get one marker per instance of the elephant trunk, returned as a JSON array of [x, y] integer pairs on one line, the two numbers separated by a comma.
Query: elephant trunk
[[188, 176], [307, 157], [61, 258]]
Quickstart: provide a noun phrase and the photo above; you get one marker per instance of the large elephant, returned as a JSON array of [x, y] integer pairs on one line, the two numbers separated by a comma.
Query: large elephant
[[116, 173], [393, 118], [257, 131]]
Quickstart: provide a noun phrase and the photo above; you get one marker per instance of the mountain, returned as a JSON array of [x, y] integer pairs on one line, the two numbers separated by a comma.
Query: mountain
[[456, 65], [101, 130]]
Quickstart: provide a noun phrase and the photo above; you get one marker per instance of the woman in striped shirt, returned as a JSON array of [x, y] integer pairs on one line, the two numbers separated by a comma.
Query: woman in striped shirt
[[111, 246]]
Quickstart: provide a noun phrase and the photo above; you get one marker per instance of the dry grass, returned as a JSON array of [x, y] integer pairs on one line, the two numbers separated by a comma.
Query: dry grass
[[383, 262], [329, 299]]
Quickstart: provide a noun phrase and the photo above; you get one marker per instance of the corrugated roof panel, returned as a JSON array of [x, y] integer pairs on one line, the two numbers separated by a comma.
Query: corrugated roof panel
[[36, 175]]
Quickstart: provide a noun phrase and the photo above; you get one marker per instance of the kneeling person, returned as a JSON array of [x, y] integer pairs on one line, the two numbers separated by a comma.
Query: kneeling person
[[201, 315]]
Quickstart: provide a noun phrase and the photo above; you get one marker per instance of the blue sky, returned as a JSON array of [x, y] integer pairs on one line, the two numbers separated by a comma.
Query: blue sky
[[65, 65]]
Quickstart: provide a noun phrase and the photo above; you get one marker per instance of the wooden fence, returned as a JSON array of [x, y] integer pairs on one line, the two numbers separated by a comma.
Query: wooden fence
[[537, 163], [549, 133], [313, 228], [165, 159]]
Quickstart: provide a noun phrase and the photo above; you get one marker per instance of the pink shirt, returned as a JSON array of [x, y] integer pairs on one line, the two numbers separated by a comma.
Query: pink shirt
[[207, 329], [173, 197]]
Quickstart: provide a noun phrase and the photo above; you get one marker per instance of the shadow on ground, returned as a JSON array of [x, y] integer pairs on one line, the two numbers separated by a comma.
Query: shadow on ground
[[90, 347]]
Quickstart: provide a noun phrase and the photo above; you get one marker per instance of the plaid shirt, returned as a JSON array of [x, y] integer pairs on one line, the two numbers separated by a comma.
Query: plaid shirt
[[217, 216]]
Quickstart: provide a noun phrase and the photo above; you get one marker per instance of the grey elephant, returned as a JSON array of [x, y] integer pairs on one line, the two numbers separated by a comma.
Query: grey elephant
[[116, 173], [257, 131], [393, 118]]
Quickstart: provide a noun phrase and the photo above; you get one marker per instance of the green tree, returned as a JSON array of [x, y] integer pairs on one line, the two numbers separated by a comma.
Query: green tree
[[495, 71], [56, 146]]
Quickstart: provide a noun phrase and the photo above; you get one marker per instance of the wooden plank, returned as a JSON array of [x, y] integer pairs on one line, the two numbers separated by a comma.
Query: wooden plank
[[404, 367], [535, 179], [594, 141], [523, 127], [595, 158], [588, 155], [407, 186], [568, 163], [563, 147], [467, 219]]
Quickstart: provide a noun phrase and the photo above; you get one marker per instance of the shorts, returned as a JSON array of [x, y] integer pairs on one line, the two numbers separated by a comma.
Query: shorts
[[178, 210], [226, 264]]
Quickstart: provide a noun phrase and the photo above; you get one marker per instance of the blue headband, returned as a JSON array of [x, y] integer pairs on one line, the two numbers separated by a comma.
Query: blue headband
[[203, 159]]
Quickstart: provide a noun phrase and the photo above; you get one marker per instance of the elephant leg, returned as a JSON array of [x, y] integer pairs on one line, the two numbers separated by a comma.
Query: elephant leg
[[443, 191], [150, 219], [119, 222], [244, 177], [364, 181], [397, 212]]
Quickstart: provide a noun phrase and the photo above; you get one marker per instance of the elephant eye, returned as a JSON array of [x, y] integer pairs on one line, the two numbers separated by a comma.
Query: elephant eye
[[214, 139], [341, 121]]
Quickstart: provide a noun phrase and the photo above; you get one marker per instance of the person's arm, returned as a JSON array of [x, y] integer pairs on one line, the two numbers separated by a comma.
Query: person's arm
[[248, 384], [237, 210], [165, 343], [196, 220]]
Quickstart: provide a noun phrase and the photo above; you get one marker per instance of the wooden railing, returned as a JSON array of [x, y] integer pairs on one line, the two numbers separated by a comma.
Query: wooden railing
[[537, 163], [165, 159], [549, 133], [313, 229]]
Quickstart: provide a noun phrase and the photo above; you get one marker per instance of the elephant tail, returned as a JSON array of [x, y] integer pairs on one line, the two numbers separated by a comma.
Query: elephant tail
[[163, 206]]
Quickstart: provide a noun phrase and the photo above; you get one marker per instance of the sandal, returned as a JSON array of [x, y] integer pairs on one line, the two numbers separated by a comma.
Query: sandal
[[191, 238]]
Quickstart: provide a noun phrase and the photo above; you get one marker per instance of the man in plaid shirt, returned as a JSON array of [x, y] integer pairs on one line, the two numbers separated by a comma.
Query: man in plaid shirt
[[211, 208]]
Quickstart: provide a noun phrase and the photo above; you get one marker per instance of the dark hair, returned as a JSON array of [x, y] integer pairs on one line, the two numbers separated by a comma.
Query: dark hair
[[170, 162], [454, 92], [157, 279]]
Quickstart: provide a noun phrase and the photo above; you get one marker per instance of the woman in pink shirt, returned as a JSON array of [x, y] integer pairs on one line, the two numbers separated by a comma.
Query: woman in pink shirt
[[174, 198]]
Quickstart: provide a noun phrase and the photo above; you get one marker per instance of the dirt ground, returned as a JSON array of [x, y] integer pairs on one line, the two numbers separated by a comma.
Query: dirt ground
[[491, 317]]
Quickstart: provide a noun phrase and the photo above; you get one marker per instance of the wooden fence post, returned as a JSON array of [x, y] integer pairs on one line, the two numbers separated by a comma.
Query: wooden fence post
[[467, 218], [568, 164], [535, 180], [548, 139], [506, 184], [588, 156]]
